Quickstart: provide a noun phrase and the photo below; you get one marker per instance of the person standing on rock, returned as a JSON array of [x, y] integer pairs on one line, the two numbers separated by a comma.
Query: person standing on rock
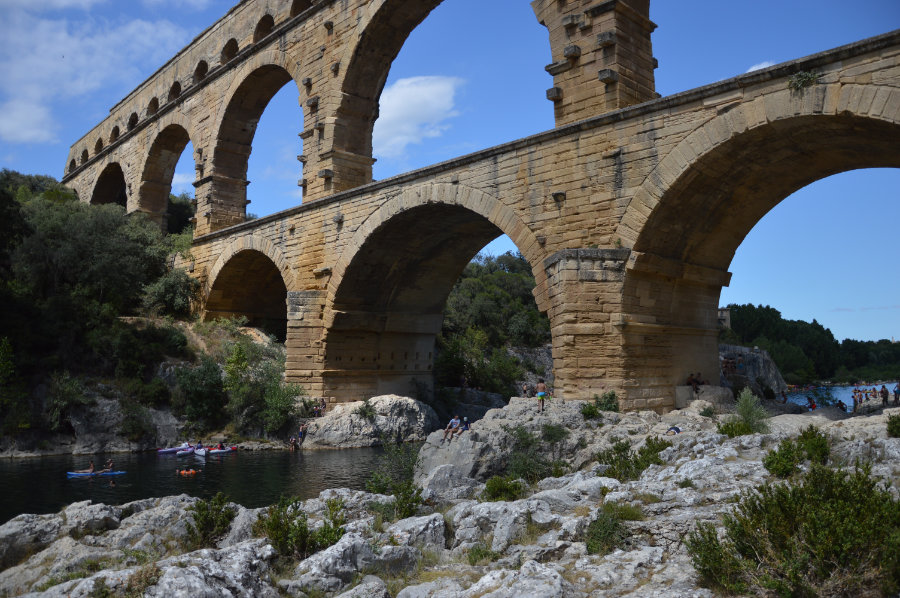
[[884, 395], [540, 392], [897, 394], [451, 428]]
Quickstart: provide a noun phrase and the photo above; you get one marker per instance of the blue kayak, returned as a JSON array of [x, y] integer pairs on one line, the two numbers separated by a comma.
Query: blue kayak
[[75, 474]]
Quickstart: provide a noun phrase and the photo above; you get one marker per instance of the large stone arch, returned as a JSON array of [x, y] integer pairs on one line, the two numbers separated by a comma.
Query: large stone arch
[[171, 136], [695, 208], [368, 64], [251, 278], [253, 86], [110, 186], [384, 302], [255, 243]]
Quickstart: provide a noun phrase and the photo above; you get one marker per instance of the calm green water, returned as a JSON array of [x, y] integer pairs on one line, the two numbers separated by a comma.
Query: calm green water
[[251, 478]]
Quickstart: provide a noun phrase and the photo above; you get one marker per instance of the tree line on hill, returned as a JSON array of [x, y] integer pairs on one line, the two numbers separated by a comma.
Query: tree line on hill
[[806, 352]]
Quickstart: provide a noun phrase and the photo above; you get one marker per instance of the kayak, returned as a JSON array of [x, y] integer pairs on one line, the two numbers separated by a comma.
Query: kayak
[[227, 449], [76, 474], [200, 452], [184, 452], [172, 449]]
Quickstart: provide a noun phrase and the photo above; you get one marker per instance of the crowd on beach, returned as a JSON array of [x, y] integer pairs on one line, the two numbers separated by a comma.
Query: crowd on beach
[[862, 395]]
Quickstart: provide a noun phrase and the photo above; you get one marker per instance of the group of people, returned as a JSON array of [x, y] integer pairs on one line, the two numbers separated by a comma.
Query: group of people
[[296, 441], [696, 382], [455, 428], [731, 366], [106, 468], [319, 408], [861, 395]]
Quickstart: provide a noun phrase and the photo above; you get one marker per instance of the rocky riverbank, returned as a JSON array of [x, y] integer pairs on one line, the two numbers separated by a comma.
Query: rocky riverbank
[[458, 545]]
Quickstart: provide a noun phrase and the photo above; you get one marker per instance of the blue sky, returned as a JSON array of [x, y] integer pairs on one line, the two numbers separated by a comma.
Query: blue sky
[[828, 252]]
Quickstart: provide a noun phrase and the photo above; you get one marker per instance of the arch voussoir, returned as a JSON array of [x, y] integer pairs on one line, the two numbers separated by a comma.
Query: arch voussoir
[[251, 243]]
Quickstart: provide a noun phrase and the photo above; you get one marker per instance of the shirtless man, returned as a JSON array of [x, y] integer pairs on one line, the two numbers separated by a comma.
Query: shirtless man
[[540, 392]]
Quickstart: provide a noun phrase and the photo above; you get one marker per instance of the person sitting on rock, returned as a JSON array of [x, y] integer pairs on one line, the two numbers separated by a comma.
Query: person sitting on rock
[[462, 428], [692, 381], [451, 428]]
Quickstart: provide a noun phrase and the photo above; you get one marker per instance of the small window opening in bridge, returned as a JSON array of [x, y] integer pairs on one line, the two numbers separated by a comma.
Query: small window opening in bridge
[[132, 121], [153, 107], [73, 165], [263, 28], [299, 6], [427, 115], [98, 147], [229, 51], [200, 72], [84, 156], [114, 134], [174, 91]]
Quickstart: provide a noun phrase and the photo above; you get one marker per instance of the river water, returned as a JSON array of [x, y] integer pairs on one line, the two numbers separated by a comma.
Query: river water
[[251, 478]]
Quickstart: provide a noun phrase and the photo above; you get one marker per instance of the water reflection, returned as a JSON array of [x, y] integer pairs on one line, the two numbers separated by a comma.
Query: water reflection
[[253, 479]]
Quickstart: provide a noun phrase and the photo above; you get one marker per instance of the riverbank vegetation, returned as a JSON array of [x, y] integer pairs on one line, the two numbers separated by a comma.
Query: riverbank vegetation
[[805, 352], [490, 309], [91, 300]]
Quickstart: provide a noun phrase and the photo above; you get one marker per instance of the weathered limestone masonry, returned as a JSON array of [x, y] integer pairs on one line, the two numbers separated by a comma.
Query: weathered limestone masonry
[[629, 211]]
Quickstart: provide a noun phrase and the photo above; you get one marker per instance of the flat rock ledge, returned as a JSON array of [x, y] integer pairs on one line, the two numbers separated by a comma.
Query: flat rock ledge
[[536, 542]]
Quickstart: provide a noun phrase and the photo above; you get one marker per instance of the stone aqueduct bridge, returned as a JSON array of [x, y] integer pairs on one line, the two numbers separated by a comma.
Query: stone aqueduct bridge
[[629, 211]]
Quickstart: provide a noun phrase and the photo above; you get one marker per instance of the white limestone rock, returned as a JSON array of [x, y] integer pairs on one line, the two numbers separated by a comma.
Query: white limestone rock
[[397, 418]]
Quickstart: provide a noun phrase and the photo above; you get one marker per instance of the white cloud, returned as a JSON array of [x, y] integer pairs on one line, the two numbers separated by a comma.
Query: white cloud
[[22, 121], [760, 66], [411, 110], [48, 62]]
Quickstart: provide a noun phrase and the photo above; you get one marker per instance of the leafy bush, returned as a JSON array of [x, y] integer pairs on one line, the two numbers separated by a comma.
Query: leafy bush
[[605, 533], [625, 511], [750, 418], [394, 476], [481, 554], [526, 459], [811, 445], [65, 393], [470, 356], [281, 406], [200, 392], [829, 533], [734, 428], [607, 401], [624, 464], [783, 461], [814, 444], [366, 411], [590, 411], [172, 294], [503, 488], [150, 394], [893, 426], [708, 411], [136, 424], [211, 520], [286, 525]]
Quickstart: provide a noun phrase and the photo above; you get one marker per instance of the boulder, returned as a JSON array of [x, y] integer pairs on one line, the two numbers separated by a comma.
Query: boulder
[[396, 418]]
